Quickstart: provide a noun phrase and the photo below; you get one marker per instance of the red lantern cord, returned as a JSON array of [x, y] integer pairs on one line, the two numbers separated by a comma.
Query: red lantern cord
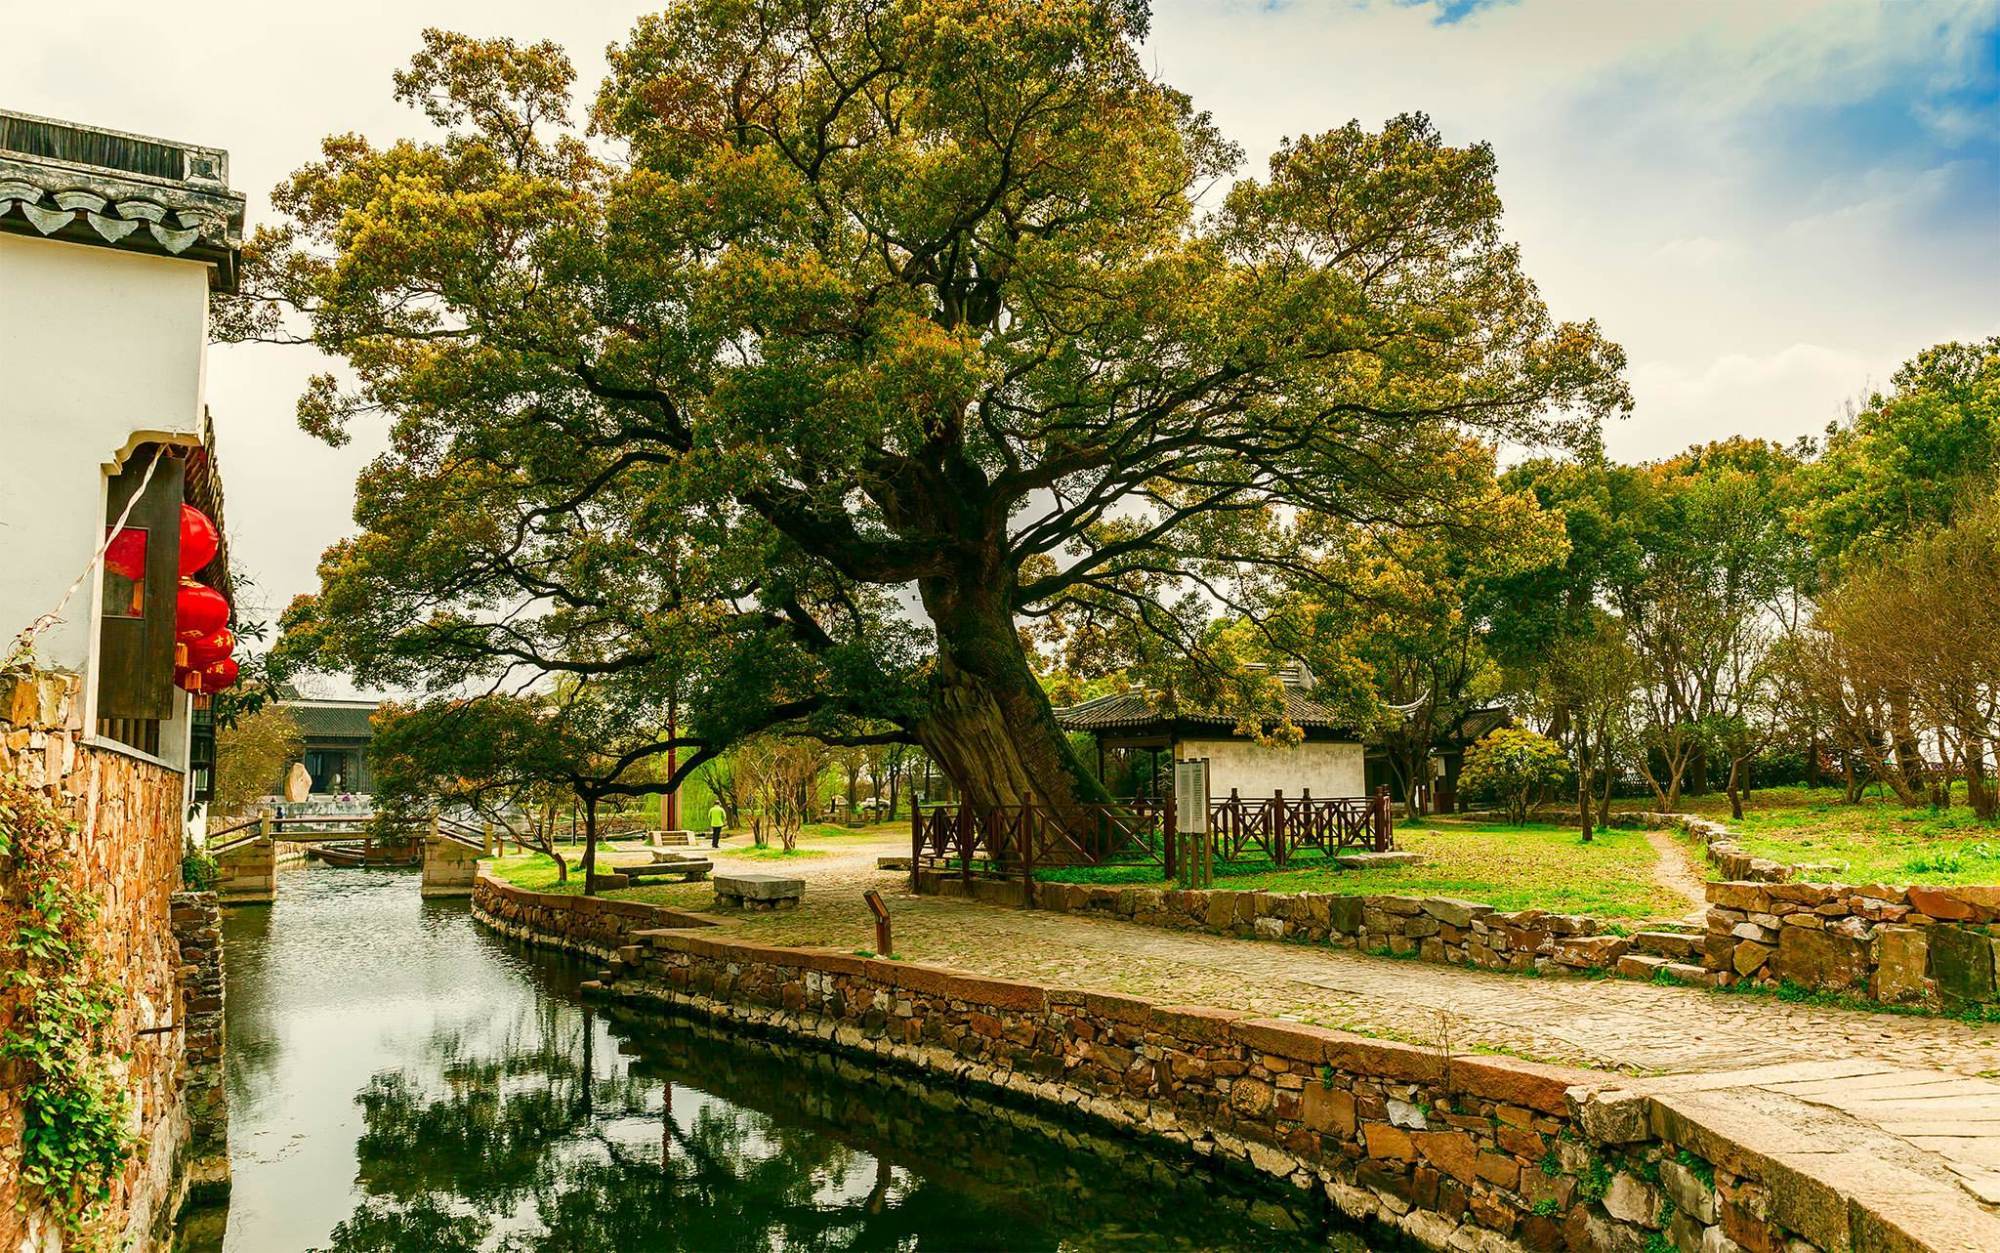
[[199, 612], [199, 540]]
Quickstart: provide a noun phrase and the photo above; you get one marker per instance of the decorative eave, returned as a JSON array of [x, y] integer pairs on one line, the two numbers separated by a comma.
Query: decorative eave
[[174, 201]]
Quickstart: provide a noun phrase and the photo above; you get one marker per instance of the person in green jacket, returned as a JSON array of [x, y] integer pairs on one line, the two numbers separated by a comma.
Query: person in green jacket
[[717, 817]]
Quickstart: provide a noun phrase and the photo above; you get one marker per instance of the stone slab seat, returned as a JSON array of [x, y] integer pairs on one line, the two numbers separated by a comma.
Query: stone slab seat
[[688, 869], [759, 891]]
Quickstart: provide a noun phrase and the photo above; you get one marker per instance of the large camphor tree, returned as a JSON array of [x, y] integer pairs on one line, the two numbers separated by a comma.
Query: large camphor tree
[[849, 333]]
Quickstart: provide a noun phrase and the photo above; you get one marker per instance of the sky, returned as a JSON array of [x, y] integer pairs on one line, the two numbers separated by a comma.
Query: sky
[[1769, 203]]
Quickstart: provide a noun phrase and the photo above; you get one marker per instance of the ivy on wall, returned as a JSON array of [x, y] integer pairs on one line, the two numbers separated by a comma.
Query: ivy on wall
[[76, 1136]]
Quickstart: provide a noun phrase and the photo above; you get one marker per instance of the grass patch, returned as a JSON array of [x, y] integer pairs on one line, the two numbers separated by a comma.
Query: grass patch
[[774, 853], [537, 873], [1536, 866], [1877, 841]]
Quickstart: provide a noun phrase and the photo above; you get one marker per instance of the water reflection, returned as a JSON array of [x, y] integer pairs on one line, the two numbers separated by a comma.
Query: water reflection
[[402, 1080]]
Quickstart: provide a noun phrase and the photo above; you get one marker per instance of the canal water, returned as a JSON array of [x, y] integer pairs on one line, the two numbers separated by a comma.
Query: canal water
[[402, 1079]]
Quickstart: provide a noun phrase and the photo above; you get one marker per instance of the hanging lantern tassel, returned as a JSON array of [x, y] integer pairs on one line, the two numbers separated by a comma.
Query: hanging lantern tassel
[[199, 540]]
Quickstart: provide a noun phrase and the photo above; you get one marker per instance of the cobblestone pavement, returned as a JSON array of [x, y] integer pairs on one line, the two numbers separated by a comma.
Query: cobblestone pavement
[[1602, 1023]]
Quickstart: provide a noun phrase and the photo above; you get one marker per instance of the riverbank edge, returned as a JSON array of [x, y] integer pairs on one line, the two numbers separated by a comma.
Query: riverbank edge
[[1453, 1151]]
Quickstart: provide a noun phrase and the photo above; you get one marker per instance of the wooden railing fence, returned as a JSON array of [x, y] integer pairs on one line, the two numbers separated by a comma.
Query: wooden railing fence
[[1012, 841]]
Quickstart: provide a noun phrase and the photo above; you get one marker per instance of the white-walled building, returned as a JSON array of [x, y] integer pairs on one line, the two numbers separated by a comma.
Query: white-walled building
[[110, 246], [1329, 761]]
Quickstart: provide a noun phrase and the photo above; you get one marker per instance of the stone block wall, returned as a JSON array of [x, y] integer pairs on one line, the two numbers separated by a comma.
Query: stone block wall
[[1437, 929], [450, 866], [126, 851], [1917, 945], [587, 925], [248, 872], [197, 923]]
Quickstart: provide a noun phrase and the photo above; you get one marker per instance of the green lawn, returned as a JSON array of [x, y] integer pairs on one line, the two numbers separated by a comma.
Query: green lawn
[[1875, 841], [1528, 867], [538, 874]]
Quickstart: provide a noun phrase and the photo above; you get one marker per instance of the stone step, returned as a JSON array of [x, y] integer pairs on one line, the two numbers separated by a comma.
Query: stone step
[[1681, 945], [1640, 966]]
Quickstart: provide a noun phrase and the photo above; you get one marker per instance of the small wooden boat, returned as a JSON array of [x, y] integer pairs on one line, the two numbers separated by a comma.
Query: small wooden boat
[[349, 856]]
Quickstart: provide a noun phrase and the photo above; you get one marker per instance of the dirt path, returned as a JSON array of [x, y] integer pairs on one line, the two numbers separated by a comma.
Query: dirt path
[[1675, 871]]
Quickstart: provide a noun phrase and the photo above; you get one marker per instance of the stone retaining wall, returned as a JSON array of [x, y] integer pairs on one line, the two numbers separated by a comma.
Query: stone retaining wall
[[1437, 929], [126, 852], [1452, 1152], [1916, 945], [197, 924], [588, 925]]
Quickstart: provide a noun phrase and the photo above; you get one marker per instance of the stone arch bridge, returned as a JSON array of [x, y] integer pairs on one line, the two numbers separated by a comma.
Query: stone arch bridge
[[247, 853]]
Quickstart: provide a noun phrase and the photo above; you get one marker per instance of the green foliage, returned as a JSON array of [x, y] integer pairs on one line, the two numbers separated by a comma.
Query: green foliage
[[1596, 1181], [942, 311], [1547, 1207], [251, 755], [1551, 1163], [74, 1137], [199, 870], [1513, 765], [1699, 1167]]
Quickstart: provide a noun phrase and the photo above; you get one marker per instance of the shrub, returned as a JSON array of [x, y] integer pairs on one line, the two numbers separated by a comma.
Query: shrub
[[1511, 765]]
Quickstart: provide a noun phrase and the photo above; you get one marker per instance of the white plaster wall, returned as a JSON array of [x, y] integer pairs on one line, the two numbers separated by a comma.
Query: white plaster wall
[[1328, 767], [98, 349]]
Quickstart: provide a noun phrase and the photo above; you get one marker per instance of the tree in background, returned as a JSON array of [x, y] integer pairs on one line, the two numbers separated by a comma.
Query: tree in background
[[252, 754], [1513, 765], [1590, 679], [784, 775], [844, 298]]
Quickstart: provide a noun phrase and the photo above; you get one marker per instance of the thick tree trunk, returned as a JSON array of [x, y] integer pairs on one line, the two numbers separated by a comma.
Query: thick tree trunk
[[1735, 789], [1583, 785], [590, 846], [989, 726]]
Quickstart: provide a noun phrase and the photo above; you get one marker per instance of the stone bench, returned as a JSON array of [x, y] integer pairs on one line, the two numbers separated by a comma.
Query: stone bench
[[758, 891], [687, 869]]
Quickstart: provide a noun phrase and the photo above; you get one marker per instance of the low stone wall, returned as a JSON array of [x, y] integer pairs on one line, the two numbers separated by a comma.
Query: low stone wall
[[588, 925], [1719, 845], [1437, 929], [1457, 1152], [1918, 945]]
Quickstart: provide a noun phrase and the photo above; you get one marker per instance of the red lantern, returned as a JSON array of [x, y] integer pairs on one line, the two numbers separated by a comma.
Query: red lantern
[[219, 675], [209, 649], [199, 612], [125, 555], [199, 539], [187, 680]]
